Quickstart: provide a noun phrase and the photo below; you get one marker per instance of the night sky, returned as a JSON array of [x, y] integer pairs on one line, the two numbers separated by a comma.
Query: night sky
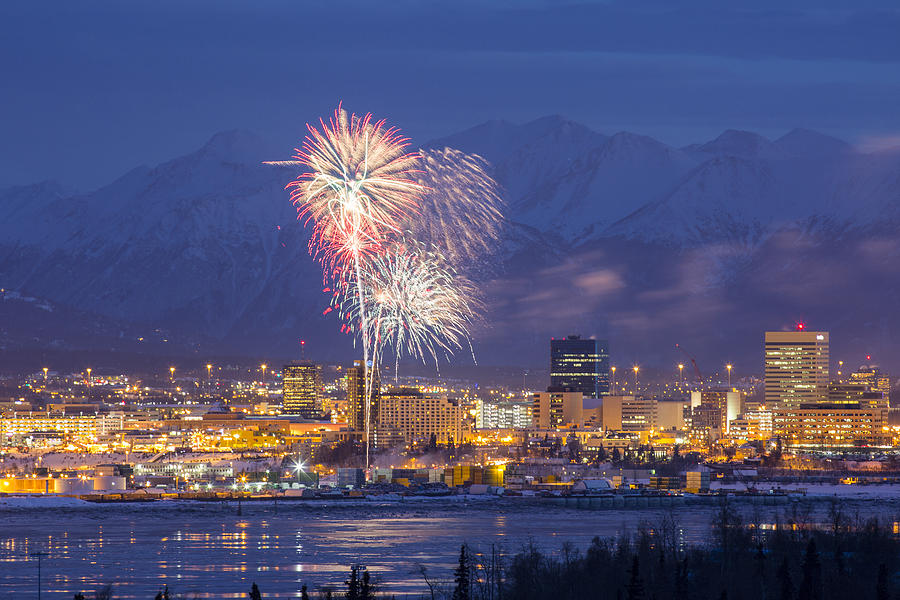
[[92, 89]]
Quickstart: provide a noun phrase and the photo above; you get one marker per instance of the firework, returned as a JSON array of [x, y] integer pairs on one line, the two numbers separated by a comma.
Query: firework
[[360, 184], [359, 187], [388, 228], [415, 304], [461, 212]]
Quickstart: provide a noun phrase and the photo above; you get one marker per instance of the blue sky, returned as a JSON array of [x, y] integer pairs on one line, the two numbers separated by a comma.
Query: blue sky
[[92, 89]]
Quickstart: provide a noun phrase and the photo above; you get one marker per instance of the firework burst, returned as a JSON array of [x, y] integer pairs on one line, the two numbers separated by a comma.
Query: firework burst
[[359, 187], [461, 212], [416, 304]]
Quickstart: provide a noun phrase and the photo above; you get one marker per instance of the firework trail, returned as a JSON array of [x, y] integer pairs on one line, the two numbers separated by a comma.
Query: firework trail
[[461, 212]]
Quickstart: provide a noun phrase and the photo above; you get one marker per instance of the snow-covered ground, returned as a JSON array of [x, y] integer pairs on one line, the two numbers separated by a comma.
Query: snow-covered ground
[[41, 502], [815, 490]]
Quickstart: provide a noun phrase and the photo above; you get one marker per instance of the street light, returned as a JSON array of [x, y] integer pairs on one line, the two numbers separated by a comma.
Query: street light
[[729, 374], [172, 373], [299, 468], [613, 369], [89, 375], [262, 368], [39, 556], [209, 371], [45, 370], [681, 373], [636, 369]]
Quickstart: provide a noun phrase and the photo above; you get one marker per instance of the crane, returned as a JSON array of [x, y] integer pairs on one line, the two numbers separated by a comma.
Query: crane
[[693, 363]]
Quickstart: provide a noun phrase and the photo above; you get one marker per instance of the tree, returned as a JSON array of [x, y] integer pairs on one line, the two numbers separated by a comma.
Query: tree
[[366, 591], [353, 583], [304, 595], [881, 587], [760, 571], [462, 576], [79, 596], [811, 584], [785, 585], [104, 593], [163, 594], [254, 593], [681, 581], [635, 589], [601, 454]]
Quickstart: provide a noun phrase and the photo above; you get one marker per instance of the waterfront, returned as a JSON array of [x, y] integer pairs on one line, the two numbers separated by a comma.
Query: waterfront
[[207, 550]]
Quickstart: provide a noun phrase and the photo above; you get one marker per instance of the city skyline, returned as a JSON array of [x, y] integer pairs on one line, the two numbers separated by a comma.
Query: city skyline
[[457, 300]]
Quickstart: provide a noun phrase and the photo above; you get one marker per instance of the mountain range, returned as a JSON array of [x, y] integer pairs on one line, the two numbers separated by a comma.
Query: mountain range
[[619, 236]]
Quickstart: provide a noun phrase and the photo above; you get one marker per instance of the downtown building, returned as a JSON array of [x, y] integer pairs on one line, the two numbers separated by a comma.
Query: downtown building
[[796, 368], [632, 414], [579, 365], [873, 377], [356, 397], [408, 415], [502, 414], [555, 409], [808, 411], [301, 389], [831, 425], [712, 412]]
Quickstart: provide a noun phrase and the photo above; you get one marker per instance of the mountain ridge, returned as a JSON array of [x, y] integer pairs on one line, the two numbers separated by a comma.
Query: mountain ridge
[[614, 235]]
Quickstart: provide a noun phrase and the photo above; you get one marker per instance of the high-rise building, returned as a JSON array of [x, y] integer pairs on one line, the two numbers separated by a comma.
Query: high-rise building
[[579, 365], [301, 389], [557, 409], [796, 367], [356, 393], [826, 425], [723, 407], [872, 376], [857, 392], [502, 414], [629, 413], [409, 415]]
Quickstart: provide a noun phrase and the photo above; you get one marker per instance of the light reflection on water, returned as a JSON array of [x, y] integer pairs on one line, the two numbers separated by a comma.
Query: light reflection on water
[[207, 551]]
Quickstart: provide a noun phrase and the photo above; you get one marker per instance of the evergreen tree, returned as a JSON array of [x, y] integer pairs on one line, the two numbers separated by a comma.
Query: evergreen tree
[[304, 595], [811, 584], [462, 576], [163, 594], [681, 581], [365, 589], [635, 590], [254, 593], [602, 454], [881, 587], [353, 583], [760, 571], [785, 585]]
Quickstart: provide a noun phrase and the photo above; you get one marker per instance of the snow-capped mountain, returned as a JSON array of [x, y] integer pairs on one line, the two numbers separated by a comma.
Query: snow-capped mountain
[[617, 235]]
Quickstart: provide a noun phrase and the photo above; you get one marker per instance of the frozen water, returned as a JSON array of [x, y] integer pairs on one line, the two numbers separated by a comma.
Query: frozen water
[[208, 550]]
